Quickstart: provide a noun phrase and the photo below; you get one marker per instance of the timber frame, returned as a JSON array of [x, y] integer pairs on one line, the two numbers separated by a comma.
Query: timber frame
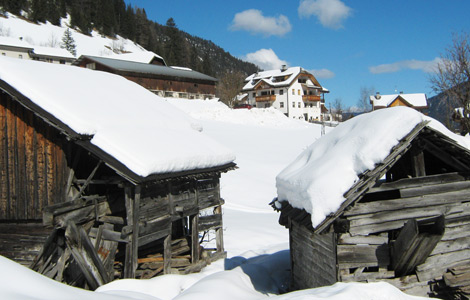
[[406, 222], [74, 213]]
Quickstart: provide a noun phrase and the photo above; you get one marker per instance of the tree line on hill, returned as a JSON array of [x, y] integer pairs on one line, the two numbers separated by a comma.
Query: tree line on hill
[[114, 17]]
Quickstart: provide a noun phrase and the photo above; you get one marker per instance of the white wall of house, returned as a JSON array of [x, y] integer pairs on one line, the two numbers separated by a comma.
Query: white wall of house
[[15, 53], [288, 101]]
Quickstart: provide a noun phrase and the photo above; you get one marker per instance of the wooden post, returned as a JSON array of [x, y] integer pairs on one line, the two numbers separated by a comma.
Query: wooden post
[[194, 220], [219, 232], [167, 253], [417, 161], [132, 209]]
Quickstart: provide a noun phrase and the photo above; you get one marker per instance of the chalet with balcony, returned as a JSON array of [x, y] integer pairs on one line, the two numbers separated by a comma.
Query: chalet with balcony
[[417, 101], [294, 91]]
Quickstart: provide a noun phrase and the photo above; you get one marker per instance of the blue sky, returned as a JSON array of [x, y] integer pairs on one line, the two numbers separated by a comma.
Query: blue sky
[[390, 46]]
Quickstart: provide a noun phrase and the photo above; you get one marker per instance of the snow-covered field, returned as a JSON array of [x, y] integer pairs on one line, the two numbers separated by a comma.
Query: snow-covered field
[[257, 266]]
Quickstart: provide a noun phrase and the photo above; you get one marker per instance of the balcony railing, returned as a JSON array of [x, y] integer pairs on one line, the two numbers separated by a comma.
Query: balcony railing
[[311, 98], [265, 98]]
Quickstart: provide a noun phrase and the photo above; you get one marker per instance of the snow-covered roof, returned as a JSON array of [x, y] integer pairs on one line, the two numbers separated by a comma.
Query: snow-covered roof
[[15, 42], [131, 66], [134, 126], [145, 57], [55, 52], [270, 77], [320, 176], [415, 100]]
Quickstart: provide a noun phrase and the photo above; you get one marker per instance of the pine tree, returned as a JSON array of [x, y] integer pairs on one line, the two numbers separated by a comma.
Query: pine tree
[[68, 43]]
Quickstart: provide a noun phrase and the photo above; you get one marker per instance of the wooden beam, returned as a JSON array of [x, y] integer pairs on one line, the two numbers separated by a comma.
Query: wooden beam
[[219, 232], [87, 182], [132, 202], [167, 254], [194, 238], [417, 161], [414, 244]]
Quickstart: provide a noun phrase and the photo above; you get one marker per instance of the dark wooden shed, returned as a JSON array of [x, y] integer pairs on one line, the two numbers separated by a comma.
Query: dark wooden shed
[[77, 214], [406, 221]]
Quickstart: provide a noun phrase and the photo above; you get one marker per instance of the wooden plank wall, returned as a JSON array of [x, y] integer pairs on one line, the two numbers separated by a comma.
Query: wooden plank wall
[[33, 165], [175, 86], [373, 224], [313, 258]]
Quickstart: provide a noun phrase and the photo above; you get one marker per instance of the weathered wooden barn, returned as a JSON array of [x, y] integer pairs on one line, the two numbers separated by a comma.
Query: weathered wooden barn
[[101, 179], [406, 220], [162, 80]]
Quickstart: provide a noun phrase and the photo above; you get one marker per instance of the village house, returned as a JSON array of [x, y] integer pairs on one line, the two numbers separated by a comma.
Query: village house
[[385, 197], [417, 101], [101, 179], [155, 76], [293, 91], [17, 48]]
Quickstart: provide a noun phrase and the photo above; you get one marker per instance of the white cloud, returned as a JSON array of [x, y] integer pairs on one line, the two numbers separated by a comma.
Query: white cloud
[[330, 13], [425, 66], [266, 59], [252, 20], [322, 73]]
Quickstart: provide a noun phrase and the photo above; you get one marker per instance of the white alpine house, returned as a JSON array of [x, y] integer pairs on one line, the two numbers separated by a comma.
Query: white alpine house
[[294, 91]]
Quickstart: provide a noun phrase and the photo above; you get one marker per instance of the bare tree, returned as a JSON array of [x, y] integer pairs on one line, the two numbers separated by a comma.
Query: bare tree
[[228, 87], [452, 76], [337, 110], [363, 103]]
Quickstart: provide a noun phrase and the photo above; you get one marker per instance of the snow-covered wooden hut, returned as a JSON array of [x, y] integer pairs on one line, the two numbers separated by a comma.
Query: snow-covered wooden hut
[[102, 179], [384, 196]]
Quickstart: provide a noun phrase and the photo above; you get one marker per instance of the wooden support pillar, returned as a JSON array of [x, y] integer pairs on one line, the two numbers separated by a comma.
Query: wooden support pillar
[[132, 210], [194, 220], [167, 253], [417, 161], [219, 232]]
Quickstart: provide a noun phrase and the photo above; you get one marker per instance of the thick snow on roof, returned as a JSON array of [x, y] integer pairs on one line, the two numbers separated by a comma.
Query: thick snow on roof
[[130, 123], [57, 52], [142, 56], [318, 178], [417, 100], [14, 42], [270, 75]]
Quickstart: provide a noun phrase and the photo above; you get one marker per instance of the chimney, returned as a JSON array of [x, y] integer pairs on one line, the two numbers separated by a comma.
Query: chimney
[[401, 92], [283, 68], [377, 95]]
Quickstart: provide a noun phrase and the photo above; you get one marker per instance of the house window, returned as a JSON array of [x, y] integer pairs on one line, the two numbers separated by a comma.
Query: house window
[[298, 105], [298, 91], [62, 62], [293, 104], [254, 94], [20, 56], [4, 54], [91, 66], [267, 105], [281, 104], [281, 92], [293, 92]]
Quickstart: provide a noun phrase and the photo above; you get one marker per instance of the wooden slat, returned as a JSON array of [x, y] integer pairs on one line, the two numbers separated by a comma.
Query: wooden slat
[[423, 200]]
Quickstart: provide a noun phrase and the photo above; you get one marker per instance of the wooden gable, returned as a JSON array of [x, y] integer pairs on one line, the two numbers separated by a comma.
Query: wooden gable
[[399, 101]]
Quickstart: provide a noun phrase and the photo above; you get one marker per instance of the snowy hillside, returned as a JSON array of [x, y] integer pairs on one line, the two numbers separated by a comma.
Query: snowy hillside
[[257, 266], [48, 35]]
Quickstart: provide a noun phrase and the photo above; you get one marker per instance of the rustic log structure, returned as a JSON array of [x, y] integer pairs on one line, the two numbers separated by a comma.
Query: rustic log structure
[[76, 214], [405, 222], [163, 80]]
